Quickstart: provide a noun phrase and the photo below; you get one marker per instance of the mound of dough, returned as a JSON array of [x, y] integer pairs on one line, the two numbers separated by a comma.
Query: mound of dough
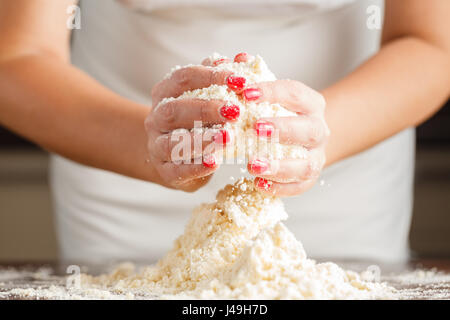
[[246, 144], [238, 248]]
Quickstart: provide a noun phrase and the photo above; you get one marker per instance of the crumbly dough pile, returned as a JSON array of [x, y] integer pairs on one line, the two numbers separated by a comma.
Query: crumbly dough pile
[[246, 144], [238, 248]]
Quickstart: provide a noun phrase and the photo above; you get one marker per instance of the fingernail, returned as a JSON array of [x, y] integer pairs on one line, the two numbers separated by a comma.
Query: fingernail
[[252, 94], [220, 61], [230, 112], [259, 166], [222, 137], [236, 84], [241, 57], [209, 161], [264, 128], [264, 184]]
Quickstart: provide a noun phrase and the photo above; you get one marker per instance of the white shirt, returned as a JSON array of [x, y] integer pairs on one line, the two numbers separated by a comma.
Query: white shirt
[[362, 207]]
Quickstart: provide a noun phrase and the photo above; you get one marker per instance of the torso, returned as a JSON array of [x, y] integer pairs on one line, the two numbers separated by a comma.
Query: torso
[[362, 207]]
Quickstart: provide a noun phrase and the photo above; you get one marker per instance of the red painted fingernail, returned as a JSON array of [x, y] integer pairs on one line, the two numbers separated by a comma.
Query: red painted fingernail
[[264, 128], [209, 161], [236, 84], [264, 184], [222, 137], [241, 57], [220, 61], [251, 94], [259, 166], [230, 112]]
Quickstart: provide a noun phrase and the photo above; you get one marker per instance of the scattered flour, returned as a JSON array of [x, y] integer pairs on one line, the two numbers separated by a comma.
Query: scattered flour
[[234, 248], [238, 248]]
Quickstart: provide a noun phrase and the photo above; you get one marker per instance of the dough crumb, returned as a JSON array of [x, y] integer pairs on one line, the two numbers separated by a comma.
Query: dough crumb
[[238, 248]]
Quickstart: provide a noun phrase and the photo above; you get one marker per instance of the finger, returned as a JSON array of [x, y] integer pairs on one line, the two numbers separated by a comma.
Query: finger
[[282, 189], [285, 170], [292, 95], [210, 62], [188, 78], [242, 57], [182, 113], [183, 145], [182, 176], [306, 131], [194, 185]]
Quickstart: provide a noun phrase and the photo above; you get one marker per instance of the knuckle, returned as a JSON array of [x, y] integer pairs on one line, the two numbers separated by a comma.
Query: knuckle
[[207, 62], [270, 90], [218, 77], [179, 145], [316, 133], [274, 167], [296, 89], [182, 76], [213, 76], [313, 168], [157, 93], [162, 146], [156, 89], [204, 107], [297, 94], [148, 123], [166, 115], [298, 86]]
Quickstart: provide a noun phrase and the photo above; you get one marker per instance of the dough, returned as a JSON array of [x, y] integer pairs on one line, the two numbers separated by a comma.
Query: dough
[[238, 247], [245, 143]]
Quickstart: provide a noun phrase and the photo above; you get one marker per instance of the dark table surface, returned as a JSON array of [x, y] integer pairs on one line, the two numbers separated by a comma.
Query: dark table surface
[[419, 278]]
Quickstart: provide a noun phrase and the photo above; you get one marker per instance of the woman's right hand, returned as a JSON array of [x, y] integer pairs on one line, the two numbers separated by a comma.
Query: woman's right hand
[[165, 120]]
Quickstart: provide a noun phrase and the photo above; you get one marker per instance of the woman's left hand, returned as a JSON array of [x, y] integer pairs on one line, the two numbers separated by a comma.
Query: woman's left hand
[[288, 177]]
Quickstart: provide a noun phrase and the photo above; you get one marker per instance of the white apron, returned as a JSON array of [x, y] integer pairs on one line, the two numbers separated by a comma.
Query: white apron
[[363, 205]]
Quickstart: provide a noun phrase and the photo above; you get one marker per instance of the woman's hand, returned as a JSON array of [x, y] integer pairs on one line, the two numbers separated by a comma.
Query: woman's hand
[[191, 170], [288, 177]]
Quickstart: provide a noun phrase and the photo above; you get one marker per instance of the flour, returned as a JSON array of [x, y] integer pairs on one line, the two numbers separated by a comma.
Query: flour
[[246, 144], [238, 248]]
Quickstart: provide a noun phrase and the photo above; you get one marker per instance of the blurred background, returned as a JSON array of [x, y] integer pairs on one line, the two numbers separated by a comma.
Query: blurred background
[[26, 221]]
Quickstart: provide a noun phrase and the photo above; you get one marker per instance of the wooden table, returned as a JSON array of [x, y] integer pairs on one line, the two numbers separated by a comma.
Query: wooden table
[[43, 275]]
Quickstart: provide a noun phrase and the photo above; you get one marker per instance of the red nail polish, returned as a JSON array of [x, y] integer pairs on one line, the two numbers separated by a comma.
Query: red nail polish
[[241, 57], [259, 166], [251, 94], [264, 128], [209, 161], [230, 112], [222, 137], [236, 84], [264, 183], [220, 61]]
